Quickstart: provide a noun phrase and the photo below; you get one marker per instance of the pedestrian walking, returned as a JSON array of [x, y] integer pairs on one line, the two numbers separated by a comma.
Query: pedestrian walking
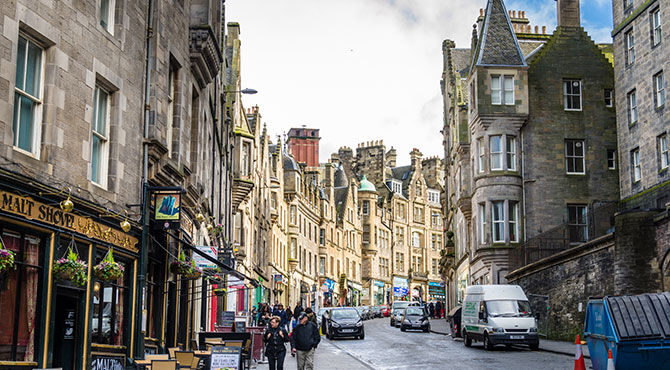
[[274, 339], [289, 319], [282, 316], [297, 310], [431, 310], [304, 340], [438, 309], [310, 315], [254, 315]]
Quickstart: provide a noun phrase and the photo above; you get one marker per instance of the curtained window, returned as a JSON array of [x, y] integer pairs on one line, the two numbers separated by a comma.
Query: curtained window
[[19, 298]]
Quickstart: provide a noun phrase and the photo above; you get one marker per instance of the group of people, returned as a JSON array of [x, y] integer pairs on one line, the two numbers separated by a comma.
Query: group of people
[[436, 311], [304, 335], [288, 318]]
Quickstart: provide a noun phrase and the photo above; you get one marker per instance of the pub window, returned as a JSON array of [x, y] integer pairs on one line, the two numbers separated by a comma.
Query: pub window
[[109, 307], [20, 300]]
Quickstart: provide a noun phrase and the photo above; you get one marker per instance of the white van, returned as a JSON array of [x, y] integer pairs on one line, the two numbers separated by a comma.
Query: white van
[[498, 314]]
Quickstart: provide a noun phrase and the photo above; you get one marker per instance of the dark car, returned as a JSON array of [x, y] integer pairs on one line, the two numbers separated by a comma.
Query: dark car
[[416, 318], [454, 319], [344, 322], [376, 311]]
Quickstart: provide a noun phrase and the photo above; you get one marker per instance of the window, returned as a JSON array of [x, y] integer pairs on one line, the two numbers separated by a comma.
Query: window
[[511, 153], [400, 211], [20, 300], [659, 90], [416, 239], [502, 90], [435, 219], [572, 95], [322, 265], [632, 108], [169, 131], [332, 265], [611, 159], [109, 306], [396, 186], [635, 161], [482, 223], [107, 15], [418, 214], [481, 153], [293, 249], [433, 266], [366, 233], [28, 96], [365, 209], [629, 40], [577, 226], [513, 222], [322, 236], [434, 196], [495, 147], [627, 3], [291, 214], [656, 27], [433, 242], [399, 261], [609, 98], [245, 165], [498, 221], [663, 151], [419, 189], [99, 137], [574, 157], [400, 235]]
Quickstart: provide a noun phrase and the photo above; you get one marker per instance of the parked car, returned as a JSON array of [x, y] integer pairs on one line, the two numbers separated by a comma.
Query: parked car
[[415, 317], [376, 311], [386, 310], [396, 317], [396, 309], [454, 320], [344, 322], [498, 314]]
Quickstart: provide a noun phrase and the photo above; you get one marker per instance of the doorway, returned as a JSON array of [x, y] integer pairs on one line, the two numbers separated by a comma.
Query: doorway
[[66, 329]]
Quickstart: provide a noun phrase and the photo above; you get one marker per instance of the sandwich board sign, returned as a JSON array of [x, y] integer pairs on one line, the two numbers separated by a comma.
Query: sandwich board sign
[[225, 358]]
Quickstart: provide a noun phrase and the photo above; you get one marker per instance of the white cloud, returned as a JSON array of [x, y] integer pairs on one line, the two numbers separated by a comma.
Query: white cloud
[[359, 70]]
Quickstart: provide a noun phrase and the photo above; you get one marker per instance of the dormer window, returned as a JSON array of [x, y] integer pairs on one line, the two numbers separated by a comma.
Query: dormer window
[[434, 196], [396, 186]]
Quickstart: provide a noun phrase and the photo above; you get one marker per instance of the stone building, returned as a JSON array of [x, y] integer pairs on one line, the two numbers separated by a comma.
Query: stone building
[[527, 143], [104, 103], [641, 58]]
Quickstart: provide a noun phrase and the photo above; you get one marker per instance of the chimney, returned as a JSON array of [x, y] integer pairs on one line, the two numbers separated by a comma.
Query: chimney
[[568, 13], [415, 156]]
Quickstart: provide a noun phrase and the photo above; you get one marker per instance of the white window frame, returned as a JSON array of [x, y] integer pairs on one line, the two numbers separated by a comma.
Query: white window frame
[[631, 98], [482, 223], [498, 222], [635, 165], [609, 98], [103, 157], [416, 239], [611, 157], [664, 153], [574, 157], [656, 30], [496, 90], [434, 196], [36, 129], [365, 208], [659, 90], [567, 94], [510, 147], [513, 221], [245, 159], [396, 186], [508, 89], [109, 19], [496, 154], [293, 211], [482, 154], [629, 40], [503, 93]]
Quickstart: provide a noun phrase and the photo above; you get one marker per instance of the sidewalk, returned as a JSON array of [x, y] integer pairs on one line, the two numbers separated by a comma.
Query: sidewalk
[[440, 326]]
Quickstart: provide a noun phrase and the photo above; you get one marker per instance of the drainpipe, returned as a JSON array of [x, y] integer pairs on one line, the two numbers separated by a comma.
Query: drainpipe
[[523, 187], [141, 286]]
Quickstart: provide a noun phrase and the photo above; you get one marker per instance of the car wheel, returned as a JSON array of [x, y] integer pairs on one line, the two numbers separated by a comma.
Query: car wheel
[[487, 342], [467, 341], [362, 336], [391, 323], [534, 346], [426, 330], [402, 328]]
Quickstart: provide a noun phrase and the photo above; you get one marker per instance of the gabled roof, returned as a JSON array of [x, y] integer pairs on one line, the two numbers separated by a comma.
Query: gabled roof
[[498, 45]]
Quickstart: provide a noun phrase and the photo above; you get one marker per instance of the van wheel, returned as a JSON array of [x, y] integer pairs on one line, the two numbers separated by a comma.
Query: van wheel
[[534, 346], [487, 342], [466, 339]]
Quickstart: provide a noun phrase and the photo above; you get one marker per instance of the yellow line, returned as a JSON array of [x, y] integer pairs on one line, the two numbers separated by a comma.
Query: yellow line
[[49, 270], [132, 322], [88, 302]]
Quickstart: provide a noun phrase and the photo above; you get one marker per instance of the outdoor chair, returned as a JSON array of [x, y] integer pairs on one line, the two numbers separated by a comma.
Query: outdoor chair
[[163, 365], [186, 360], [172, 350]]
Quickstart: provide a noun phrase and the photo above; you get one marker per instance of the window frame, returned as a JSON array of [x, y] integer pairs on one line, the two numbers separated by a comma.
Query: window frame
[[481, 152], [656, 30], [117, 291], [658, 84], [103, 138], [664, 152], [513, 223], [611, 152], [496, 153], [635, 165], [583, 212], [574, 157], [36, 101], [571, 94], [365, 208], [498, 222], [110, 20], [609, 100], [482, 223], [504, 91], [510, 156], [629, 47], [632, 113]]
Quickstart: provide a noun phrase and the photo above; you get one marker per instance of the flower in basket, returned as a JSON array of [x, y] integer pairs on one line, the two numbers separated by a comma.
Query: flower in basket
[[180, 266], [194, 272], [71, 269], [6, 259], [107, 269]]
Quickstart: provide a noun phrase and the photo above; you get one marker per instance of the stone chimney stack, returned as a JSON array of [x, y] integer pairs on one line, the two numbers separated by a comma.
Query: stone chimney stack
[[415, 156], [568, 13]]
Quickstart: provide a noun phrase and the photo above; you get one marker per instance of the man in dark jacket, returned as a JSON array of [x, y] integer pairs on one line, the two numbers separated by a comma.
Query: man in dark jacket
[[438, 309], [274, 338], [304, 340], [297, 311]]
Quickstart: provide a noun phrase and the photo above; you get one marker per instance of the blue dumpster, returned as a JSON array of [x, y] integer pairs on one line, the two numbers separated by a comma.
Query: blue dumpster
[[635, 328]]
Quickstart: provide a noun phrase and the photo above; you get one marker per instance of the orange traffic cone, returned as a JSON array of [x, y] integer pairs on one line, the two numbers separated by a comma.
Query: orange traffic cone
[[579, 356], [610, 360]]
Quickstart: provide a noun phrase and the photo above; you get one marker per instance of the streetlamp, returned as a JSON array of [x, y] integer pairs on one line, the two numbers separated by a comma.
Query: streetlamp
[[247, 91]]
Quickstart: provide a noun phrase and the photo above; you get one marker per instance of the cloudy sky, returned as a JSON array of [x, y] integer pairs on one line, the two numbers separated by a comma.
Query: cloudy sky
[[363, 70]]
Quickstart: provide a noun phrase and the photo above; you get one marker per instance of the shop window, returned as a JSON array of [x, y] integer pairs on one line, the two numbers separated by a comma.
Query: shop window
[[20, 300], [109, 307]]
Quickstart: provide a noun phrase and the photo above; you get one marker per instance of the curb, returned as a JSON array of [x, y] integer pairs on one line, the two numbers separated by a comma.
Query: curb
[[438, 332], [561, 352]]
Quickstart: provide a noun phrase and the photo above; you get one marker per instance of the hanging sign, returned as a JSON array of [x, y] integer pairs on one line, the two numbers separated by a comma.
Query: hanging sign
[[203, 263], [168, 206]]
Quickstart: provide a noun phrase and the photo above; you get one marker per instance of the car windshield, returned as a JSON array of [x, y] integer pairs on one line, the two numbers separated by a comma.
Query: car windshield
[[344, 314], [508, 308], [413, 310], [398, 311]]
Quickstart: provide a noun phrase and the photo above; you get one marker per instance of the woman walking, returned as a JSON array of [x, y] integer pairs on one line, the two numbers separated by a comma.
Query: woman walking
[[274, 339]]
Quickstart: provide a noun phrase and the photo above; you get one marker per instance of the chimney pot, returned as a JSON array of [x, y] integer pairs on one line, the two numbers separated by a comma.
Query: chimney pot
[[481, 12], [544, 30], [536, 29], [513, 13]]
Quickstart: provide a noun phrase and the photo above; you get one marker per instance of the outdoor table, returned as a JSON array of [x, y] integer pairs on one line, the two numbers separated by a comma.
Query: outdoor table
[[142, 364]]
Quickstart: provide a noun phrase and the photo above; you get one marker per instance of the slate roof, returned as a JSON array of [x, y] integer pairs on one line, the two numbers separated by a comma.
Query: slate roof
[[340, 178], [341, 195], [289, 163], [461, 60], [498, 45]]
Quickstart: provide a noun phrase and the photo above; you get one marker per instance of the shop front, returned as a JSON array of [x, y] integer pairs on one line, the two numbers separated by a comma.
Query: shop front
[[400, 289], [354, 294], [378, 292], [327, 289], [56, 310]]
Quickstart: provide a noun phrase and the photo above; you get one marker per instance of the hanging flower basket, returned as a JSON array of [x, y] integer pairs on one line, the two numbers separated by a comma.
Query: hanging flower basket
[[219, 292], [71, 269], [108, 270], [193, 273], [6, 260], [187, 270]]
